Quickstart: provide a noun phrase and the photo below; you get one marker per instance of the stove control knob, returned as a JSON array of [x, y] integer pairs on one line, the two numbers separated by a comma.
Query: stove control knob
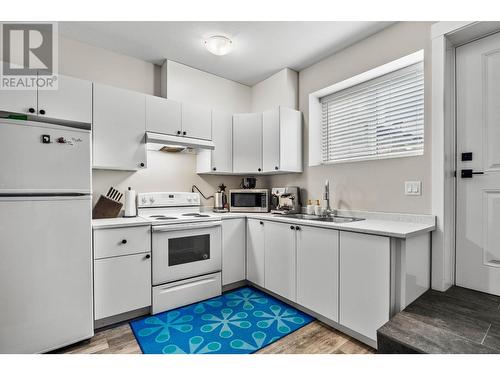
[[143, 200], [151, 200]]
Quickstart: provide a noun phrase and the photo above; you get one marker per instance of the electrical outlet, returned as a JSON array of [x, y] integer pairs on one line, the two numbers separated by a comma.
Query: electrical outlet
[[413, 188]]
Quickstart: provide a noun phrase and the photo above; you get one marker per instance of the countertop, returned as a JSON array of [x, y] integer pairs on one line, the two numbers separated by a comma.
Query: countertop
[[390, 225]]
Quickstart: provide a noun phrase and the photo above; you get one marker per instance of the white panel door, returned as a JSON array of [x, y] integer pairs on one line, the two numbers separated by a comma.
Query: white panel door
[[163, 115], [18, 101], [280, 274], [45, 273], [196, 121], [365, 275], [271, 140], [233, 250], [119, 128], [72, 101], [222, 128], [247, 143], [318, 270], [478, 197], [255, 252], [121, 284]]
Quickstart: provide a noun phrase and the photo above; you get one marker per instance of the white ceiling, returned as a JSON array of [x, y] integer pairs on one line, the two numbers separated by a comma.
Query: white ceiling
[[260, 48]]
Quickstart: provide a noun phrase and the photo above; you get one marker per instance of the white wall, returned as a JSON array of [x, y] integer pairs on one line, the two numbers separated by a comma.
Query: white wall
[[186, 84], [370, 185], [281, 89]]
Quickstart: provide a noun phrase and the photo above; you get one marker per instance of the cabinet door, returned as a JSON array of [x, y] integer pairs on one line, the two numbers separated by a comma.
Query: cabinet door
[[18, 101], [280, 258], [163, 115], [271, 141], [71, 101], [121, 284], [318, 270], [233, 250], [196, 121], [290, 140], [222, 128], [364, 282], [247, 143], [119, 129], [255, 251]]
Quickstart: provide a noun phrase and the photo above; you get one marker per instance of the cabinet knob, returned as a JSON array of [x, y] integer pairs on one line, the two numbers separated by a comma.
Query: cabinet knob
[[124, 241], [261, 222], [259, 169], [292, 227], [184, 133], [276, 168], [142, 164], [42, 111], [31, 110], [148, 256], [178, 132], [214, 168], [297, 228]]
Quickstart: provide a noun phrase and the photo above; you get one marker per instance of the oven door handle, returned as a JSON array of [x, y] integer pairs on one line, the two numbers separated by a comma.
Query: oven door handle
[[175, 227]]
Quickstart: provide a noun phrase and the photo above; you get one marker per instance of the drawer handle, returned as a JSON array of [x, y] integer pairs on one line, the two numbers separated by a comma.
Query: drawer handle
[[124, 241]]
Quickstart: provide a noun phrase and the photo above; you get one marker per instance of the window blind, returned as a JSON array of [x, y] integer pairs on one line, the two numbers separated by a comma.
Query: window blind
[[377, 119]]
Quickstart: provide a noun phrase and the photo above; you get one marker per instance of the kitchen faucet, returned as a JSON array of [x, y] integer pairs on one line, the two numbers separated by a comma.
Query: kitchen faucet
[[326, 197]]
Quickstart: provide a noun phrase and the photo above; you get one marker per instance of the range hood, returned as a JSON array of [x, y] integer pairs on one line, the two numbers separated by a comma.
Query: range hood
[[158, 141]]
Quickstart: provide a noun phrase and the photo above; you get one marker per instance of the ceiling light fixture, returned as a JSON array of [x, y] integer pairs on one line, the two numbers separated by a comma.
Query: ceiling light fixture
[[218, 45]]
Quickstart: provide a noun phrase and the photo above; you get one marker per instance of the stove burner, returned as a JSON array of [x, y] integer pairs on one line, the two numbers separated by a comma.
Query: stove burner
[[195, 214], [162, 217]]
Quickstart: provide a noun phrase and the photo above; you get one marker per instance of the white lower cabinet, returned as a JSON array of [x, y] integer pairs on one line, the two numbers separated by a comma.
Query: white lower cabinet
[[233, 250], [318, 270], [121, 284], [255, 251], [365, 269], [279, 245]]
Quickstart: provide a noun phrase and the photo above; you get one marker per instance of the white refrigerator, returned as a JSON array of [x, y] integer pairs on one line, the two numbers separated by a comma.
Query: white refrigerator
[[45, 236]]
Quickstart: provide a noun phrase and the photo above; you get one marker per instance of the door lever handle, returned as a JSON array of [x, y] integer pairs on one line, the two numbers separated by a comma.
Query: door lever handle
[[468, 173]]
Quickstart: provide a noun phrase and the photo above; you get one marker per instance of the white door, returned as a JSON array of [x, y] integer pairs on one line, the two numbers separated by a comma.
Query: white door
[[280, 258], [365, 282], [233, 250], [119, 128], [478, 196], [45, 273], [72, 101], [37, 157], [222, 155], [18, 101], [247, 143], [318, 270], [255, 252], [163, 115], [271, 140], [196, 121]]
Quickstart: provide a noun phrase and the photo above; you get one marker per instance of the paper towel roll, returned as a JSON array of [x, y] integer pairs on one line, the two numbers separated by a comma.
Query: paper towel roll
[[130, 203]]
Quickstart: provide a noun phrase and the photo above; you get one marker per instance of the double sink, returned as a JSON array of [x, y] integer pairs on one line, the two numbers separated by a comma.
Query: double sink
[[329, 219]]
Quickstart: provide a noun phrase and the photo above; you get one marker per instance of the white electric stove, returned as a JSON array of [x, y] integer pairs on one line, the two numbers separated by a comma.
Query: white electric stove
[[186, 249]]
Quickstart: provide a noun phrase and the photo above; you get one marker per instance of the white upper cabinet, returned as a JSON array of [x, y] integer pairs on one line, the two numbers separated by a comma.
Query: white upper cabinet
[[247, 143], [196, 121], [72, 101], [18, 101], [163, 115], [119, 128], [280, 260], [282, 140], [318, 270], [219, 160]]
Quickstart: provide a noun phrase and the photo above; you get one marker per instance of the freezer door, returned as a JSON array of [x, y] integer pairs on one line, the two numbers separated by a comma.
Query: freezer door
[[45, 273], [37, 157]]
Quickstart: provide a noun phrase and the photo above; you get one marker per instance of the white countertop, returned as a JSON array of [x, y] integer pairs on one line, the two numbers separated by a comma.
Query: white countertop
[[119, 222], [390, 225]]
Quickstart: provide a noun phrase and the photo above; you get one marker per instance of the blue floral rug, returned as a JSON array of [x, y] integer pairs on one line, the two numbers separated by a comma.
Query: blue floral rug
[[238, 322]]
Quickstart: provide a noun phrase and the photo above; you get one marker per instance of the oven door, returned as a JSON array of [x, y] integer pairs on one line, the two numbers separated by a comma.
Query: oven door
[[186, 250]]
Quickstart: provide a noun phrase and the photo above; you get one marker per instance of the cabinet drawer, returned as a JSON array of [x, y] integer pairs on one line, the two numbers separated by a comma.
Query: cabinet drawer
[[121, 284], [121, 241]]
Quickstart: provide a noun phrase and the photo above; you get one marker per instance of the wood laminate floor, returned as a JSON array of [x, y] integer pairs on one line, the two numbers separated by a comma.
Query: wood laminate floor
[[314, 338]]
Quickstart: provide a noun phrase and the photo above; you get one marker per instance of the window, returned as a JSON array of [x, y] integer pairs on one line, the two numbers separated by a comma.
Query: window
[[377, 119]]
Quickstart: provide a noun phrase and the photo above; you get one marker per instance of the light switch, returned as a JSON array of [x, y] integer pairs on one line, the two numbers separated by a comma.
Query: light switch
[[413, 188]]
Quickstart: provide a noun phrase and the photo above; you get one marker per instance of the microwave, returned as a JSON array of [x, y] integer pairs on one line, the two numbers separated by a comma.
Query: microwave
[[249, 200]]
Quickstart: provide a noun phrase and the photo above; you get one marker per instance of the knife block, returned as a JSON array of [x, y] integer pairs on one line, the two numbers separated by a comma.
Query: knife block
[[106, 208]]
